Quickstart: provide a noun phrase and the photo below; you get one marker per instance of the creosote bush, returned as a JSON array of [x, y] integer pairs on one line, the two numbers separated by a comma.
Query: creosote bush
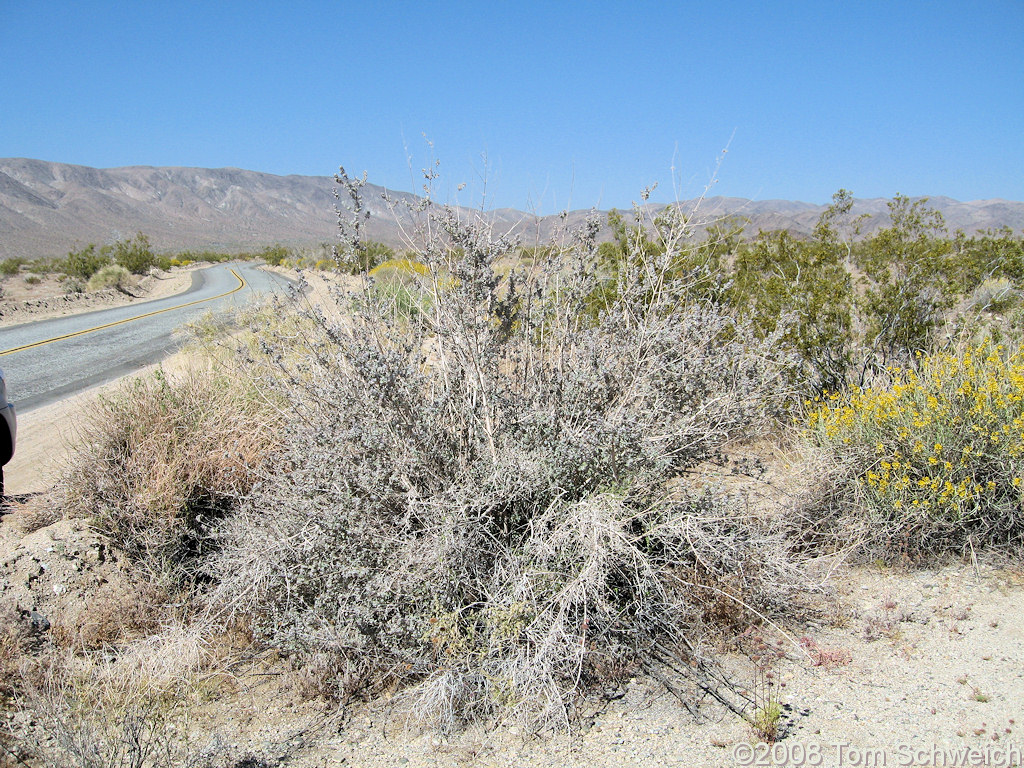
[[474, 501], [134, 254]]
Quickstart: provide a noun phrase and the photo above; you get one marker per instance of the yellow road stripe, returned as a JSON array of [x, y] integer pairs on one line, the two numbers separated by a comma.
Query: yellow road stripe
[[236, 289]]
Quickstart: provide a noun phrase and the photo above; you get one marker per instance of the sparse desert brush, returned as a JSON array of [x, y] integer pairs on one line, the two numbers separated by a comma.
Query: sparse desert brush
[[937, 456], [15, 639], [115, 615], [472, 503], [163, 459], [11, 266]]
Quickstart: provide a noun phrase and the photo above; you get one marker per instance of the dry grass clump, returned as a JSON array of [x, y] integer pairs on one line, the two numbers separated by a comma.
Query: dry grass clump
[[110, 276], [93, 712], [133, 702], [996, 294], [116, 614], [20, 668], [161, 461], [15, 642], [35, 512], [472, 505]]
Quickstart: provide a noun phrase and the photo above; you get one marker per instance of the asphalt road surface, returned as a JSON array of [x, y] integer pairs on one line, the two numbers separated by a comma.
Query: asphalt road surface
[[49, 360]]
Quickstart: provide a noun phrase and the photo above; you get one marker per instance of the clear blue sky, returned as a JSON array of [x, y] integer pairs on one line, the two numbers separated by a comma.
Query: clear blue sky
[[572, 103]]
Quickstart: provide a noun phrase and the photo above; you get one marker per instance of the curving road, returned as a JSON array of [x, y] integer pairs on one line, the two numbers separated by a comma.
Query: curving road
[[49, 360]]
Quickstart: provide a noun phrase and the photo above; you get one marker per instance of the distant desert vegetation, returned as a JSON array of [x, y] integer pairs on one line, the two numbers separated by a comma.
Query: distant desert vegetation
[[49, 208]]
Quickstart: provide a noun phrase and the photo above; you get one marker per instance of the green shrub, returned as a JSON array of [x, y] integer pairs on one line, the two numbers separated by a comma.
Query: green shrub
[[85, 263], [275, 256], [991, 254], [369, 254], [12, 266], [908, 280], [805, 286], [135, 254]]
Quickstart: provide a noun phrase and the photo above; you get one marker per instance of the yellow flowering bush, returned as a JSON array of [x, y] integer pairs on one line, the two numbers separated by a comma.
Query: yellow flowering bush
[[937, 454]]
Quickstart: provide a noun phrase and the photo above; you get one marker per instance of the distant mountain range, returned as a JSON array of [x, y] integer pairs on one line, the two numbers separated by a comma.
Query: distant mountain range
[[49, 208]]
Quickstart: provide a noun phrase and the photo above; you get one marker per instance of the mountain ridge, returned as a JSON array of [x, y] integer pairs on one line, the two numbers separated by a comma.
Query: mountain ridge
[[48, 208]]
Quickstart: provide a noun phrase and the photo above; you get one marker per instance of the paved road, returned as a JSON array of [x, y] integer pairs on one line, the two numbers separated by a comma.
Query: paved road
[[49, 360]]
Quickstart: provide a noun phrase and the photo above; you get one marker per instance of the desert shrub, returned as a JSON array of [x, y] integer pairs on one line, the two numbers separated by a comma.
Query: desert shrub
[[695, 268], [404, 283], [117, 614], [46, 266], [15, 642], [85, 263], [94, 713], [274, 255], [161, 460], [937, 456], [219, 257], [134, 254], [110, 276], [405, 270], [805, 284], [473, 501], [12, 266], [73, 285], [368, 254], [33, 279], [908, 272], [989, 254]]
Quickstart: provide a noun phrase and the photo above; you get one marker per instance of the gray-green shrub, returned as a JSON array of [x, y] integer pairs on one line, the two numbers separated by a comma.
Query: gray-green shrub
[[475, 500]]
